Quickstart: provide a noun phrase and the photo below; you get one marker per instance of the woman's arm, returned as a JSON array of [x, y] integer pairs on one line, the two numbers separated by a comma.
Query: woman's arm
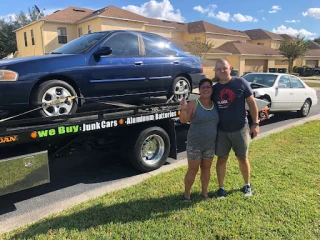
[[187, 110]]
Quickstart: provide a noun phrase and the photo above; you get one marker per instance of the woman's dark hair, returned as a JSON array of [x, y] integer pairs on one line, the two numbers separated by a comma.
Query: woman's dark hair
[[202, 81]]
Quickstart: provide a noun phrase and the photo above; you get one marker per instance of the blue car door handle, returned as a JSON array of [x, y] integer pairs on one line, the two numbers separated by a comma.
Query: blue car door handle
[[138, 63]]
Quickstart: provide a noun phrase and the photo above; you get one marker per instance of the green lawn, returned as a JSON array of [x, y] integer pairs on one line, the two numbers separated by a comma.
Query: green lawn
[[286, 202], [310, 78], [314, 85]]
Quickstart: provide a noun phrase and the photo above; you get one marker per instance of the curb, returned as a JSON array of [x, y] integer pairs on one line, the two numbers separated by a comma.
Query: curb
[[58, 207]]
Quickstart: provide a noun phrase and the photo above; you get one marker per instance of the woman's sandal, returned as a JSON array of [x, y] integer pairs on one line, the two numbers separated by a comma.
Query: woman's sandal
[[187, 199], [205, 197]]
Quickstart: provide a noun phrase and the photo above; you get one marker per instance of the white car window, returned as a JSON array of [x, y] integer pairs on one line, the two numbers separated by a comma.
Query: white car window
[[295, 82], [285, 80]]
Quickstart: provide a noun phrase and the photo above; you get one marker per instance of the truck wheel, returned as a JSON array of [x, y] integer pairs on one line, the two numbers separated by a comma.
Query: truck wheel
[[149, 149], [54, 90], [305, 109], [180, 89], [317, 73]]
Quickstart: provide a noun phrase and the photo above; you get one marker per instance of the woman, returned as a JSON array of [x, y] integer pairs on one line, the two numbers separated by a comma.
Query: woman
[[201, 140]]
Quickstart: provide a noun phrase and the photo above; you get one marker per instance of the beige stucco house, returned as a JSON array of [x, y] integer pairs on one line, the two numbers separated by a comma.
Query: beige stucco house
[[252, 50]]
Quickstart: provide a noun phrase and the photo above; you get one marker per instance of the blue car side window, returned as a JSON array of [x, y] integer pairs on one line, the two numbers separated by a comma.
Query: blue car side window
[[123, 44]]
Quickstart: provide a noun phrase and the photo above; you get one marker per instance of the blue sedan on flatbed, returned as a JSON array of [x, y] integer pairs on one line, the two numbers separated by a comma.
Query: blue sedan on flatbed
[[110, 65]]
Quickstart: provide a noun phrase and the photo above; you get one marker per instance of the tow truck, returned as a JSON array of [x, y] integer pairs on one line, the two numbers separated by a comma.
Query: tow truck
[[145, 134]]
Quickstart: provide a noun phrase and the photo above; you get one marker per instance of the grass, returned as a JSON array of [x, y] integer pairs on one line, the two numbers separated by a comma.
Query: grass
[[310, 78], [312, 84], [286, 202]]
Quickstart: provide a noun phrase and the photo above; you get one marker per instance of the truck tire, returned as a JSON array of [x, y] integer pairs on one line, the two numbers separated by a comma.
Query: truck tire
[[305, 109], [180, 88], [50, 91], [149, 149]]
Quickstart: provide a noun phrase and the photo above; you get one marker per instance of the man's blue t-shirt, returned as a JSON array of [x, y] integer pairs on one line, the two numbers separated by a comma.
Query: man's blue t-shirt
[[230, 100]]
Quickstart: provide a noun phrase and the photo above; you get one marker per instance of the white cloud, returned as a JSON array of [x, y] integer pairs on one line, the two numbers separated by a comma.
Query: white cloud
[[263, 18], [292, 21], [152, 9], [8, 17], [210, 9], [275, 9], [312, 12], [222, 16], [243, 18], [295, 32]]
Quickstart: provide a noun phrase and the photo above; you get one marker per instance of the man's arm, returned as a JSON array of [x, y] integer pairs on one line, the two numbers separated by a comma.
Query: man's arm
[[254, 115]]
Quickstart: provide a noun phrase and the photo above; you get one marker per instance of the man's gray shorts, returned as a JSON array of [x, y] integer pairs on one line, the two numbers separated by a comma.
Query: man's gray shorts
[[238, 141]]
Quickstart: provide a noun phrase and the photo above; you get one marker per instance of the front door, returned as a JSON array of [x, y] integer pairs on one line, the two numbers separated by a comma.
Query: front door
[[120, 73]]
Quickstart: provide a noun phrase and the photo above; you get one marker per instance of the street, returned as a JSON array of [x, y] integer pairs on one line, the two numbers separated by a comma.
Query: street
[[89, 169]]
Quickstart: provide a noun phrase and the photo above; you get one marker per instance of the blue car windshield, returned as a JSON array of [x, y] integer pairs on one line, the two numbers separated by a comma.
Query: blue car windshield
[[81, 44], [262, 79]]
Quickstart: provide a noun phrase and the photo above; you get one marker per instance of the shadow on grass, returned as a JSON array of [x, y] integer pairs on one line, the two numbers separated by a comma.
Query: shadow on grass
[[102, 214]]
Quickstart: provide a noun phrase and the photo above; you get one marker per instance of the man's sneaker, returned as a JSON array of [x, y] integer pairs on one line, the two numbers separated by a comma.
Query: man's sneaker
[[221, 193], [247, 191]]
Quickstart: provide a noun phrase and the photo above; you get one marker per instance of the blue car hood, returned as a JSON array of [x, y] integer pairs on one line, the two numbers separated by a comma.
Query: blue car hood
[[32, 58]]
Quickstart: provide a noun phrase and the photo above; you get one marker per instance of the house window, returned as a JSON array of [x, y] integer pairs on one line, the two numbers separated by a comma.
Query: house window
[[89, 29], [32, 37], [25, 39], [197, 39], [80, 32], [260, 43], [62, 35]]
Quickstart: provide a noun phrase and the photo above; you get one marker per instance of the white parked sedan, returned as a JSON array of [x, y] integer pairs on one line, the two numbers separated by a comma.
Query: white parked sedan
[[284, 92]]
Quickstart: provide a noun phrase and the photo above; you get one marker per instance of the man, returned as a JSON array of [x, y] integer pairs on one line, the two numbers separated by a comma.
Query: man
[[229, 95]]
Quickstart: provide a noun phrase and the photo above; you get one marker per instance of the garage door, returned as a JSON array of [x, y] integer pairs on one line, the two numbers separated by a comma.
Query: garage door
[[281, 63], [312, 63], [256, 65], [208, 67]]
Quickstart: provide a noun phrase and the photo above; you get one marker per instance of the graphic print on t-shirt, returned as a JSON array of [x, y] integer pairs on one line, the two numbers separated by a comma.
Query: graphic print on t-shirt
[[226, 97]]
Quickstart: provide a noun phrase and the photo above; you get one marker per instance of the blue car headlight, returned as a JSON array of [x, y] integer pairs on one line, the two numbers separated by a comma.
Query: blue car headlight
[[8, 75]]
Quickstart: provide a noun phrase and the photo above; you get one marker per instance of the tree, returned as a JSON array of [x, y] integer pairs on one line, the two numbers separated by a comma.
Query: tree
[[8, 43], [23, 19], [317, 40], [293, 49], [198, 48]]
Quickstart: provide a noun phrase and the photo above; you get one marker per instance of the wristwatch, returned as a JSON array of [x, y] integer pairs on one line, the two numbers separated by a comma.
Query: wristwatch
[[255, 124]]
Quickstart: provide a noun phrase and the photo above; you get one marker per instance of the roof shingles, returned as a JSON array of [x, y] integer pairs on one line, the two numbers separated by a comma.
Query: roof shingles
[[203, 26], [260, 34], [237, 47], [68, 15]]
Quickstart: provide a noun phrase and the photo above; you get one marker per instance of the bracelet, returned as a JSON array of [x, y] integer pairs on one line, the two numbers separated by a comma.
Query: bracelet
[[255, 124]]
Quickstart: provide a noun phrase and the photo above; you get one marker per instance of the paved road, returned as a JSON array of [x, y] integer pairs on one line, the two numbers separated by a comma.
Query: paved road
[[89, 170]]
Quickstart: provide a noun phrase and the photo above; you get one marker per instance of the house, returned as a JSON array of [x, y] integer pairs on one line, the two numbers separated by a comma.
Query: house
[[251, 50]]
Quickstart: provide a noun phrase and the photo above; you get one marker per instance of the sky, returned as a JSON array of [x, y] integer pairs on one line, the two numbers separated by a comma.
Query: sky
[[278, 16]]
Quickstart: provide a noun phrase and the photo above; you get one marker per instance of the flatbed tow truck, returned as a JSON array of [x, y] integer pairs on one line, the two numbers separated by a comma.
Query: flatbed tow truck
[[145, 135]]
